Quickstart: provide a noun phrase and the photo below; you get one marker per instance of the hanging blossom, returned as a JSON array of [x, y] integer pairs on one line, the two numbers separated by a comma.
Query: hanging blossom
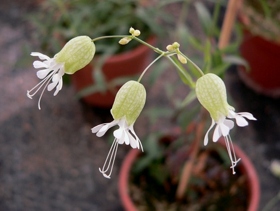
[[76, 54], [211, 93], [127, 106]]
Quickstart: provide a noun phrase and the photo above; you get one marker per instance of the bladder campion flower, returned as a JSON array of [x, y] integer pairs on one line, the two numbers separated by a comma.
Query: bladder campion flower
[[76, 54], [211, 93], [127, 106]]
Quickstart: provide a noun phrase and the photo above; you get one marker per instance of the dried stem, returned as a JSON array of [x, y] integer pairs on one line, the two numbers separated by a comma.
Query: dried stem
[[187, 169], [232, 8]]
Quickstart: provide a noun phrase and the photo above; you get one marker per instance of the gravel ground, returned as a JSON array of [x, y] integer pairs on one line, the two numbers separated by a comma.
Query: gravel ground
[[49, 159]]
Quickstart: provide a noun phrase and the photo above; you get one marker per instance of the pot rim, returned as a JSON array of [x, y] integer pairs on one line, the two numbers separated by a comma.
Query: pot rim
[[246, 167]]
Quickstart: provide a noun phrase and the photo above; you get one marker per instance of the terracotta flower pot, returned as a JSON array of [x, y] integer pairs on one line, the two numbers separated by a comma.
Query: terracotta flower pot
[[245, 167], [263, 58], [121, 65]]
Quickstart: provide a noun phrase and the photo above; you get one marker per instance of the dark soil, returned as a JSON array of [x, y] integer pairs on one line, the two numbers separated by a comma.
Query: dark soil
[[212, 185]]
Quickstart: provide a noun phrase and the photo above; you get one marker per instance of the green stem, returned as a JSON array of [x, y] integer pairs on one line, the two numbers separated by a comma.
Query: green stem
[[272, 202], [216, 13], [142, 74], [157, 50], [182, 72], [196, 67], [109, 36]]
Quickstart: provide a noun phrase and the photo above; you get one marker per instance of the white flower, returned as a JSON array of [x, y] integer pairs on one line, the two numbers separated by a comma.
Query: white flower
[[223, 127], [76, 54], [127, 106], [125, 134], [211, 93], [49, 71]]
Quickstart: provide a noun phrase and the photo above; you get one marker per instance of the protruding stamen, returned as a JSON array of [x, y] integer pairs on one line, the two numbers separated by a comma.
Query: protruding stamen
[[231, 153], [110, 159], [36, 88]]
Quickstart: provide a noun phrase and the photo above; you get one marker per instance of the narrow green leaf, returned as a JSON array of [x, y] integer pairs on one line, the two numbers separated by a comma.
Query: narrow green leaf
[[204, 17], [236, 60]]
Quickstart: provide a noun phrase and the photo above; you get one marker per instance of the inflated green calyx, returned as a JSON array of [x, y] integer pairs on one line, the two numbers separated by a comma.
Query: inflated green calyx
[[129, 102], [211, 93], [76, 54]]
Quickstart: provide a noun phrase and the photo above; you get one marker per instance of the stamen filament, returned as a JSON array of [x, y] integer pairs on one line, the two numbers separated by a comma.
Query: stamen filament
[[112, 154], [45, 82], [40, 84], [231, 153]]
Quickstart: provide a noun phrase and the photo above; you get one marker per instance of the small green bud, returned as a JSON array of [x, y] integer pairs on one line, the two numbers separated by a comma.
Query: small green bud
[[131, 30], [211, 93], [76, 54], [182, 59], [176, 45], [275, 167], [129, 102], [136, 33], [125, 40], [170, 48]]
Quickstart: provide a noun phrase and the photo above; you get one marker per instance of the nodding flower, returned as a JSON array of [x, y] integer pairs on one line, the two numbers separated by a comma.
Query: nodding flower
[[76, 54], [211, 93], [127, 106]]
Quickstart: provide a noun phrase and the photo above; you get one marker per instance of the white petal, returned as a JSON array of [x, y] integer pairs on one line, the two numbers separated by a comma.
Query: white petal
[[40, 55], [206, 135], [229, 123], [96, 128], [217, 133], [126, 138], [239, 117], [43, 73], [224, 129], [39, 64], [102, 130], [240, 121], [133, 142], [58, 87], [118, 133], [247, 115], [55, 80]]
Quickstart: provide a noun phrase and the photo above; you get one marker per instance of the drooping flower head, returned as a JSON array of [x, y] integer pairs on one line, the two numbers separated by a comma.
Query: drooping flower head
[[127, 106], [76, 54], [211, 93]]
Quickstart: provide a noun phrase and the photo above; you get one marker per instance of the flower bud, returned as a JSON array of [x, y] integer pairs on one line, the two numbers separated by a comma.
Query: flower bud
[[169, 48], [211, 93], [136, 33], [176, 45], [131, 30], [76, 54], [182, 59], [275, 167], [125, 40], [129, 102]]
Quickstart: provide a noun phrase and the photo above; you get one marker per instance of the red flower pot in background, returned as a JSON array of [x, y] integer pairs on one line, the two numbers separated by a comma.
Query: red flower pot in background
[[263, 58], [125, 64], [245, 166]]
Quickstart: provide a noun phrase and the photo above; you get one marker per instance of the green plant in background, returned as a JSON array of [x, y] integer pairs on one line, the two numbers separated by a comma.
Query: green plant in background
[[263, 18], [69, 18], [275, 170], [66, 19]]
